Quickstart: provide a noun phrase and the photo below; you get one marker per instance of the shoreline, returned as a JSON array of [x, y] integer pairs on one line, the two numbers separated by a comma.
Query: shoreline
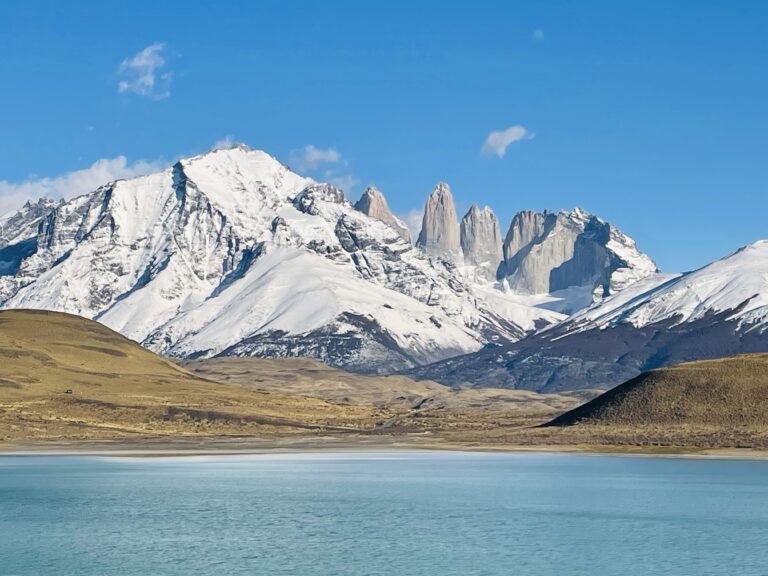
[[254, 446]]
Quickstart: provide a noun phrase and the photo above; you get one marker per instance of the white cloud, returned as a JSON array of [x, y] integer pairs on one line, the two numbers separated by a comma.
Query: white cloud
[[310, 157], [346, 182], [142, 74], [498, 141], [538, 34], [71, 184], [413, 220], [224, 143]]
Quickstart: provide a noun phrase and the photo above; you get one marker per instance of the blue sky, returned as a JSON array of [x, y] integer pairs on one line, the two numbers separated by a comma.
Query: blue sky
[[652, 115]]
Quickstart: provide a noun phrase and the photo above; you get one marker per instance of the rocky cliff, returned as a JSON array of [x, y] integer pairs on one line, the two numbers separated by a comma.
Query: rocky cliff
[[440, 228], [231, 253], [481, 242], [547, 252], [373, 204]]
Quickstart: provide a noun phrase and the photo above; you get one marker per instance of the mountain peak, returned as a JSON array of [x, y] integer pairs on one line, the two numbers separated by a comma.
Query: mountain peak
[[373, 204], [579, 214], [545, 253], [481, 241], [442, 189], [236, 152], [440, 228]]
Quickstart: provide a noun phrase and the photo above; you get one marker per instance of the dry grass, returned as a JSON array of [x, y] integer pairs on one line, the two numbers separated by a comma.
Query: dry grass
[[119, 389], [122, 391], [711, 403], [413, 406], [308, 377]]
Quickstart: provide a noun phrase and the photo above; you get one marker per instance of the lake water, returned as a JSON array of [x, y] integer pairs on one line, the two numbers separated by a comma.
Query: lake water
[[395, 514]]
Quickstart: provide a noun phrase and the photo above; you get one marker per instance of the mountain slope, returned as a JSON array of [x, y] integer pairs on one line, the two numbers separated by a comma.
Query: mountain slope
[[718, 310], [737, 283]]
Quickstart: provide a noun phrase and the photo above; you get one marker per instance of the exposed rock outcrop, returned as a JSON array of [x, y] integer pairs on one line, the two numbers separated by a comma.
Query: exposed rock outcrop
[[306, 200], [546, 252], [439, 228], [481, 241], [373, 204], [526, 227]]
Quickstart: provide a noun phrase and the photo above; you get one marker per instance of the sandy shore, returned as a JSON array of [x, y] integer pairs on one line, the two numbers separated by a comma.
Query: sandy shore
[[221, 446]]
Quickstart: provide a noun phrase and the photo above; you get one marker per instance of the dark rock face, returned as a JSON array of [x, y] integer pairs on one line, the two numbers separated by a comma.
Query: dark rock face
[[553, 361], [368, 349]]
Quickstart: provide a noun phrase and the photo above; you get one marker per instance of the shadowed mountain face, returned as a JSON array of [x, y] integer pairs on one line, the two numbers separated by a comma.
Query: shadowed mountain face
[[556, 361], [308, 377], [547, 252]]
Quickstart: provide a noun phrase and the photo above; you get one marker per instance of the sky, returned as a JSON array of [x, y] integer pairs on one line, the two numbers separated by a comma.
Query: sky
[[650, 114]]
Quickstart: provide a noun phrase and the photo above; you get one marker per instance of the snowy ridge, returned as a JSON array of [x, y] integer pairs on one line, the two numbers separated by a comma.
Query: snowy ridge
[[737, 283]]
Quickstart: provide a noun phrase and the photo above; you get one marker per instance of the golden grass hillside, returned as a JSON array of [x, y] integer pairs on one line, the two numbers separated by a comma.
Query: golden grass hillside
[[722, 402], [729, 392], [62, 376]]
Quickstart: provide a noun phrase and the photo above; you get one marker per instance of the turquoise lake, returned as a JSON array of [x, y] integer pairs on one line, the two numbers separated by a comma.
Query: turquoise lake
[[410, 513]]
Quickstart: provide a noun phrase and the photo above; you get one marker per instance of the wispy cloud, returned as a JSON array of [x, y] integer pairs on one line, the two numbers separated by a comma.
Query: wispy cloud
[[497, 142], [143, 73], [412, 219], [310, 157], [324, 163], [538, 35], [75, 183], [224, 143], [346, 182]]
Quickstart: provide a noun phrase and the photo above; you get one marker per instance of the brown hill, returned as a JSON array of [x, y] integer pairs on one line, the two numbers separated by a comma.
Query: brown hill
[[721, 402], [728, 392], [62, 376]]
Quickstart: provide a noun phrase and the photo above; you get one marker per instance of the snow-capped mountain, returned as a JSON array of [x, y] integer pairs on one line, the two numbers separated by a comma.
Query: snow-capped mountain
[[232, 253], [737, 284], [718, 310]]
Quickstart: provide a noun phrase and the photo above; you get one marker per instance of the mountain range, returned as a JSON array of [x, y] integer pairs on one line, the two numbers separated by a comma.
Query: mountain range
[[232, 253], [661, 320]]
